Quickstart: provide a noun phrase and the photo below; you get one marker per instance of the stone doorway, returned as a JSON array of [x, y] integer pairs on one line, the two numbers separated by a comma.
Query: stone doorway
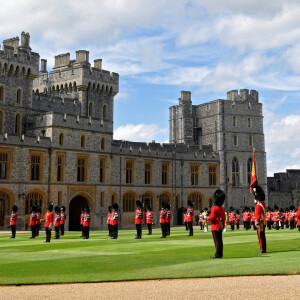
[[2, 212], [74, 212]]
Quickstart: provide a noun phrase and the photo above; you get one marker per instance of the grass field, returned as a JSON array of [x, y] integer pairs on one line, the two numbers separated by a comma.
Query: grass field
[[72, 259]]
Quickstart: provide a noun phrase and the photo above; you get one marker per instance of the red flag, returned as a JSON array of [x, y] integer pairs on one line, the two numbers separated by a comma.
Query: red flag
[[253, 174]]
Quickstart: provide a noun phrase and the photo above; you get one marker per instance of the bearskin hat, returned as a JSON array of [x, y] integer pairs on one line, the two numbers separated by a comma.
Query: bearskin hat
[[201, 211], [292, 207], [63, 208], [252, 208], [33, 208], [109, 208], [237, 212], [219, 197], [49, 206], [139, 203], [275, 207], [148, 207], [281, 210], [87, 209], [190, 203], [115, 206], [57, 209], [38, 209], [205, 208], [259, 193], [14, 208], [231, 208], [168, 206], [268, 208]]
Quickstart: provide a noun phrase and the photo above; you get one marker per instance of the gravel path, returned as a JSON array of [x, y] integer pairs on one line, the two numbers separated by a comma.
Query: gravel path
[[247, 287]]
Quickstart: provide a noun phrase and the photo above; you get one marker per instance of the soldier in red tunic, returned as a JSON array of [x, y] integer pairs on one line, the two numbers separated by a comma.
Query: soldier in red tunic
[[63, 218], [82, 220], [231, 218], [32, 221], [269, 218], [38, 217], [139, 214], [292, 217], [57, 221], [168, 219], [217, 218], [260, 216], [162, 220], [48, 221], [86, 223], [149, 218], [109, 211], [298, 217], [185, 219], [13, 221], [190, 215], [276, 217], [248, 218], [237, 219], [115, 221], [286, 218], [281, 218]]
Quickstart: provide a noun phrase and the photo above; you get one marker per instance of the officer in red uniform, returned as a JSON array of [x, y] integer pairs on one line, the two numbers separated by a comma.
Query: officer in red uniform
[[269, 218], [217, 218], [32, 221], [237, 219], [292, 217], [109, 211], [48, 221], [115, 221], [13, 221], [139, 214], [260, 216], [57, 221], [253, 218], [231, 218], [168, 219], [86, 223], [190, 215], [38, 217], [185, 219], [149, 218], [298, 217], [82, 220], [162, 220], [63, 218]]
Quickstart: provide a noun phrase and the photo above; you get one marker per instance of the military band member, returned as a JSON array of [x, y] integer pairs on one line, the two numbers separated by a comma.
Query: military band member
[[82, 220], [253, 218], [231, 218], [276, 217], [286, 218], [86, 223], [139, 214], [57, 221], [38, 217], [48, 221], [32, 221], [269, 217], [115, 221], [162, 220], [109, 211], [281, 218], [260, 216], [201, 219], [149, 218], [13, 221], [63, 218], [168, 219], [237, 219], [292, 217], [205, 216], [190, 215], [247, 218], [217, 218]]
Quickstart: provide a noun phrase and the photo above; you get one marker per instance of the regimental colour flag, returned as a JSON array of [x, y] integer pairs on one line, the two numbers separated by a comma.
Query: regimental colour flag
[[254, 182]]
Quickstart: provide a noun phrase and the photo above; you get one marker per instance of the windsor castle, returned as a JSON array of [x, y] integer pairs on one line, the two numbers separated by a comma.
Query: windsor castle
[[56, 144]]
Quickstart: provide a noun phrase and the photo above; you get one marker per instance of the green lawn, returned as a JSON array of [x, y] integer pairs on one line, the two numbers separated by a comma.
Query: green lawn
[[72, 259]]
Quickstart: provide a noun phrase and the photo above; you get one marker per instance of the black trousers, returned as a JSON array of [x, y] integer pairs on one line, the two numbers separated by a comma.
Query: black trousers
[[149, 225], [298, 227], [86, 232], [109, 230], [48, 234], [282, 224], [286, 223], [292, 225], [163, 230], [201, 226], [114, 231], [13, 231], [217, 236], [186, 226], [37, 229], [269, 225], [247, 225], [276, 225], [190, 226], [62, 229], [232, 225], [138, 230], [82, 231], [262, 238], [168, 228], [33, 232], [56, 232], [237, 224]]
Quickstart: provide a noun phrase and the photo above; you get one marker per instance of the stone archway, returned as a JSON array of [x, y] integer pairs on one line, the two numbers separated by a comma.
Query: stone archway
[[5, 203], [75, 210]]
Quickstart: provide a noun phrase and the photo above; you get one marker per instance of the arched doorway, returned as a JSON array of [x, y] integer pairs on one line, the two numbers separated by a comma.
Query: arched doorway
[[75, 210], [4, 206]]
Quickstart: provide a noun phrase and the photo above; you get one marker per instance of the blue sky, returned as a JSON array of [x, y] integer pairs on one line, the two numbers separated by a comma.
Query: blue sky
[[161, 47]]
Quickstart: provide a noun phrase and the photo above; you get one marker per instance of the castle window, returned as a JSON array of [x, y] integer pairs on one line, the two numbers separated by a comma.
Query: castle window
[[250, 140], [82, 141], [61, 139], [19, 95], [165, 173], [102, 143], [102, 199], [18, 124], [1, 93], [212, 175], [196, 199], [129, 171], [164, 197], [90, 109], [235, 140], [36, 160], [235, 172], [194, 174], [249, 122], [147, 199], [128, 202], [249, 170], [81, 169], [59, 198], [234, 121], [60, 167], [102, 169], [1, 120], [104, 112], [148, 171], [4, 165]]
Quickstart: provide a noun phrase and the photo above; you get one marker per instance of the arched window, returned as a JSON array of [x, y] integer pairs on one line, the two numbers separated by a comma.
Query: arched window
[[102, 143], [235, 140], [33, 198], [18, 124], [19, 95], [249, 122], [250, 140], [104, 112], [90, 109], [1, 120], [128, 202], [234, 123], [249, 170], [82, 141], [196, 199], [147, 199], [164, 197], [235, 172], [1, 93], [61, 139]]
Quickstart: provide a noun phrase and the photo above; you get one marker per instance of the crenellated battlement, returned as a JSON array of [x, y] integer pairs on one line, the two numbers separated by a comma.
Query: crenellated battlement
[[243, 95]]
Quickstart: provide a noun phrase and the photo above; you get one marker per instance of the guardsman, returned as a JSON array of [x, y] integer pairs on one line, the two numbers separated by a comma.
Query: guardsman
[[57, 221], [298, 217], [286, 215], [38, 217], [162, 220], [185, 219], [276, 217], [237, 219], [190, 215], [217, 218], [86, 223], [281, 218], [13, 221], [248, 218], [115, 221], [32, 221], [109, 211], [63, 218], [201, 219], [231, 218], [82, 220], [139, 214], [292, 217], [149, 218], [269, 218], [253, 218], [168, 219], [260, 216], [244, 217], [205, 216], [48, 221]]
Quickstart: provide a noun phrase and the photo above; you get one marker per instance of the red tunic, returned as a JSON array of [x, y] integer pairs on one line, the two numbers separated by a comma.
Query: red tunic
[[162, 216], [63, 218], [185, 217], [139, 214], [115, 218], [168, 216], [32, 219], [298, 216], [57, 220], [190, 214], [81, 219], [217, 218], [13, 219], [38, 218], [291, 216], [149, 217], [108, 218], [248, 216], [253, 216], [87, 220], [48, 218], [260, 212], [269, 216], [231, 217], [237, 218]]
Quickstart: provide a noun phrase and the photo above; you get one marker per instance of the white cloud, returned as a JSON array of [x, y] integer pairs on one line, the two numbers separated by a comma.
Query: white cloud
[[139, 132]]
